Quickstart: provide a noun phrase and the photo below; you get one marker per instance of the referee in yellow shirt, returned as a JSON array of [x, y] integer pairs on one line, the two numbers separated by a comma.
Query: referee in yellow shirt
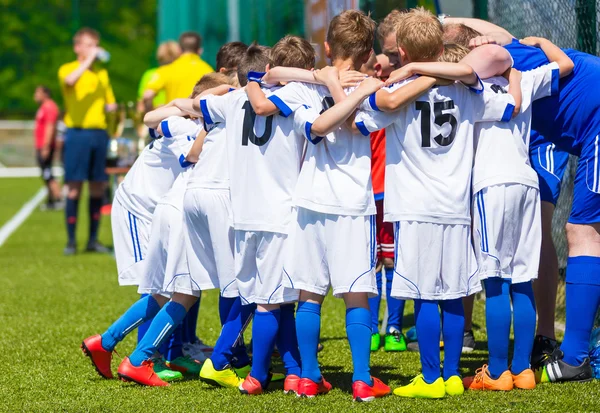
[[179, 77], [87, 94]]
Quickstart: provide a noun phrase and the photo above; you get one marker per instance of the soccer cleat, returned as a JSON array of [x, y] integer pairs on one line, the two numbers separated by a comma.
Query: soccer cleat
[[418, 388], [143, 374], [362, 392], [454, 386], [251, 386], [163, 372], [224, 378], [309, 388], [95, 246], [395, 341], [197, 350], [483, 381], [92, 347], [468, 342], [375, 341], [290, 385], [70, 249], [244, 371], [186, 365], [525, 380], [543, 347], [556, 370]]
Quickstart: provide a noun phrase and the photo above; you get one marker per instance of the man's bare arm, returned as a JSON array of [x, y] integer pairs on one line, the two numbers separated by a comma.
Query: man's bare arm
[[499, 34], [260, 104], [153, 118], [553, 53], [390, 102], [75, 75]]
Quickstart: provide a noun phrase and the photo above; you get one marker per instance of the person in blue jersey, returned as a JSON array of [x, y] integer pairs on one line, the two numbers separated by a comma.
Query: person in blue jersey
[[569, 122]]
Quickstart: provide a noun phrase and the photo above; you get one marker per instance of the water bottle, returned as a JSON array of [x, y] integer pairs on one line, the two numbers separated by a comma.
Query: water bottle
[[102, 55], [595, 352]]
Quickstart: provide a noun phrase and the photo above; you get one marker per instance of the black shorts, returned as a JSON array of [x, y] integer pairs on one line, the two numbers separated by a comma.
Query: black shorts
[[45, 164]]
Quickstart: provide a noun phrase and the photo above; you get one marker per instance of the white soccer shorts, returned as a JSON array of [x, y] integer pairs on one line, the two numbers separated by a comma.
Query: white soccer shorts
[[130, 239], [337, 251], [209, 239], [434, 261], [167, 269], [259, 262], [508, 232]]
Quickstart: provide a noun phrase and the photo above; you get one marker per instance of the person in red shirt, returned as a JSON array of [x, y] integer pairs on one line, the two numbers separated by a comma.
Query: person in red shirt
[[45, 141]]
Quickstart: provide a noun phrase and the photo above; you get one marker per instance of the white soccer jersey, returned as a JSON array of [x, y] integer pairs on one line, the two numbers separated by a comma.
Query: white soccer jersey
[[336, 173], [502, 154], [429, 151], [157, 167], [211, 171], [264, 156]]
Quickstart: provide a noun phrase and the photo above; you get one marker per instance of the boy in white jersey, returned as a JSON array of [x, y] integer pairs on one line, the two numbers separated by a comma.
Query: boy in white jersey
[[429, 152], [156, 169], [507, 225]]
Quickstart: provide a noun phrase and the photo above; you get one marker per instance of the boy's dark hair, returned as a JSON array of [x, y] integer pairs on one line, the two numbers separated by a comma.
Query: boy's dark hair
[[293, 51], [230, 54], [209, 81], [45, 89], [190, 42], [351, 35], [255, 59], [459, 33], [87, 31]]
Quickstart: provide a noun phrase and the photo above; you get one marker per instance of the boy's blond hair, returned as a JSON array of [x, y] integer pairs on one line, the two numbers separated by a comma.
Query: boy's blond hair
[[350, 35], [209, 81], [293, 51], [167, 52], [453, 53], [419, 33], [388, 25]]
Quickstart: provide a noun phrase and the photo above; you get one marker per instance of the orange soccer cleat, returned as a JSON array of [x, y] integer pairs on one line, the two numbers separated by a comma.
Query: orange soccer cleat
[[362, 392], [290, 385], [251, 386], [101, 359], [309, 388], [143, 374], [525, 380], [483, 381]]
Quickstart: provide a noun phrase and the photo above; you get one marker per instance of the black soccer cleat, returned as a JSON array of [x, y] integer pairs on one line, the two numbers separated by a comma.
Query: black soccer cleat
[[555, 370], [95, 246], [468, 342], [70, 249], [543, 347]]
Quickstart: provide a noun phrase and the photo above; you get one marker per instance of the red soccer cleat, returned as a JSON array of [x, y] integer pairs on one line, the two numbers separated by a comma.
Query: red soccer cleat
[[92, 347], [143, 374], [251, 386], [362, 392], [309, 388], [290, 385]]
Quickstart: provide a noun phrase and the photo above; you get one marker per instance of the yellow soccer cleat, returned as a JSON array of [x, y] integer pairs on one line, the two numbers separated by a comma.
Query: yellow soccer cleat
[[454, 386], [224, 378], [419, 389]]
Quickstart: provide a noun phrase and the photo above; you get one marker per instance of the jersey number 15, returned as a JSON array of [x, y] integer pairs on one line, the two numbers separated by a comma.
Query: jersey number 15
[[440, 119]]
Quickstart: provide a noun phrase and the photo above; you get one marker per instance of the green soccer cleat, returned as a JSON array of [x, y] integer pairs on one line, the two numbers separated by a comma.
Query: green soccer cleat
[[243, 372], [419, 389], [224, 378], [186, 365], [375, 341], [163, 372], [395, 341], [454, 386]]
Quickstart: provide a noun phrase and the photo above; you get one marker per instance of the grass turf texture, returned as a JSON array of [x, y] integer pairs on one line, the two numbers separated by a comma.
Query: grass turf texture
[[49, 303]]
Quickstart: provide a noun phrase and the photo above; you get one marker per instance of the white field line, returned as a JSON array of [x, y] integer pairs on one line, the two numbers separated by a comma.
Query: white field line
[[15, 222], [27, 172]]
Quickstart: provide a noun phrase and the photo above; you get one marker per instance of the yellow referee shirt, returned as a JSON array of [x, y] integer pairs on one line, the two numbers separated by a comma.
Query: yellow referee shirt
[[178, 78], [86, 100]]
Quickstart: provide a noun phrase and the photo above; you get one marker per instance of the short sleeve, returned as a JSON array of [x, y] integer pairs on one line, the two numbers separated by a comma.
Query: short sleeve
[[543, 80], [51, 114], [493, 107], [156, 82], [368, 121], [177, 126], [289, 98], [63, 72], [213, 108], [109, 95], [304, 118]]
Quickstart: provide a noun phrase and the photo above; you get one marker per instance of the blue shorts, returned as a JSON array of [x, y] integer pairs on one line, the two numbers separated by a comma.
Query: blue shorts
[[586, 189], [550, 163], [84, 155]]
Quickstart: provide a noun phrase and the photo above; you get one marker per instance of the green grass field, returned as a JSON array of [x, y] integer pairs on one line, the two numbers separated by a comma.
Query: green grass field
[[49, 303]]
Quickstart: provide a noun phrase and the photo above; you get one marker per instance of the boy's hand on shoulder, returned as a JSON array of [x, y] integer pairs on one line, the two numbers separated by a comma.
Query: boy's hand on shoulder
[[370, 85], [400, 74], [327, 75], [481, 40], [532, 41], [351, 78]]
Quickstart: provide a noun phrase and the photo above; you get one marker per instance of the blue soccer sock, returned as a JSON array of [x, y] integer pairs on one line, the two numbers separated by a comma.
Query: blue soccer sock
[[94, 210], [71, 210], [358, 328], [374, 304], [143, 309], [264, 333], [394, 305], [172, 348], [583, 299], [167, 319], [239, 352], [453, 330], [524, 325], [427, 322], [141, 330], [498, 318], [308, 329], [225, 304], [223, 352], [287, 341], [191, 323]]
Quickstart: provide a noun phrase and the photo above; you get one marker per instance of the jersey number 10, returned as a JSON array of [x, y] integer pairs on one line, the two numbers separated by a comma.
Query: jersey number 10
[[248, 129], [440, 119]]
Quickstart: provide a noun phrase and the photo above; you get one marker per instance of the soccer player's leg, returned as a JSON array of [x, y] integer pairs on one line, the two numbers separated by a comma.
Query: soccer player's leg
[[571, 361], [97, 185], [352, 267], [374, 305]]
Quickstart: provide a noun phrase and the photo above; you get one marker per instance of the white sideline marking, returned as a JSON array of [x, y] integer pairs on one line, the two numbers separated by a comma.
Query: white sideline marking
[[15, 222], [28, 172]]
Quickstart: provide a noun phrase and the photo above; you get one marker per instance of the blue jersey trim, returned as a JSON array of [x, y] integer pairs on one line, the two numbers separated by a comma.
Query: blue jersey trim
[[474, 89], [255, 76], [164, 126], [507, 116], [307, 133], [283, 108], [362, 128], [373, 102], [555, 78], [205, 113], [153, 133], [183, 162], [379, 197]]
